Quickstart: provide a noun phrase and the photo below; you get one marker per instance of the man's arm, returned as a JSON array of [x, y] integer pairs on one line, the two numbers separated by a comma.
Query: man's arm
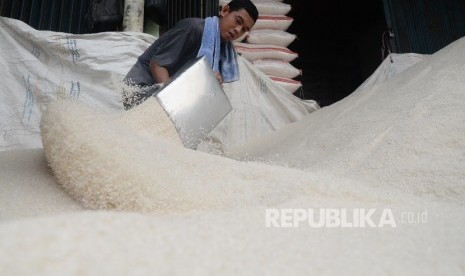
[[160, 74]]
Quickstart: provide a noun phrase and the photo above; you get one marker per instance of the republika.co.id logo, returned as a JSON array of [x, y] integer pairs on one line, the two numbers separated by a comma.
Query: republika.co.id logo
[[342, 218]]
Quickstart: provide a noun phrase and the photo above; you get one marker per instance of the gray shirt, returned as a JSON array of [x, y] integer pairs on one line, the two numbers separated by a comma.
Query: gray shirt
[[171, 50]]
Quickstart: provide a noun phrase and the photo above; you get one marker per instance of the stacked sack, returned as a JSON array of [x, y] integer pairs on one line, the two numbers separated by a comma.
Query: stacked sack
[[266, 44]]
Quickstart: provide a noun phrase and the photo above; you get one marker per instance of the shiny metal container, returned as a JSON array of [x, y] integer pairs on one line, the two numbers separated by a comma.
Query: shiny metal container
[[195, 102]]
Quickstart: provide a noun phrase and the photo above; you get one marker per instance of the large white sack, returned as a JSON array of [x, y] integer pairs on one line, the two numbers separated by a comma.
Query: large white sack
[[272, 7], [273, 22], [289, 84], [43, 66], [260, 106], [276, 67], [270, 36], [391, 66], [265, 51]]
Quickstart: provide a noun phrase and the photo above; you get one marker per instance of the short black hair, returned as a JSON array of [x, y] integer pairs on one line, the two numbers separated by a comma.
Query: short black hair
[[248, 5]]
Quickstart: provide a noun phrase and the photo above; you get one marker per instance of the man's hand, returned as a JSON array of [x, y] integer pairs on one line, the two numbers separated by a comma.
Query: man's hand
[[219, 77]]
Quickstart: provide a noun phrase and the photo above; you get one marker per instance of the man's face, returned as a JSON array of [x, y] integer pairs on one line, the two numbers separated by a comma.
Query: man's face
[[234, 24]]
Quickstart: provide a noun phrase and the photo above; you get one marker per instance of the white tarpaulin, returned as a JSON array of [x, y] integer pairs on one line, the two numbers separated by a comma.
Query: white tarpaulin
[[42, 66]]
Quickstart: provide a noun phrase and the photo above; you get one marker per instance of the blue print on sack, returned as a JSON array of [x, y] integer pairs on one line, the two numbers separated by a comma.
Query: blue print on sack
[[39, 53], [262, 86], [29, 101], [35, 50], [75, 90], [73, 49]]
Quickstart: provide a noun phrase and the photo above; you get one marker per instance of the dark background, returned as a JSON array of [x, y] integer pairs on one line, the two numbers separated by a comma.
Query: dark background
[[339, 45]]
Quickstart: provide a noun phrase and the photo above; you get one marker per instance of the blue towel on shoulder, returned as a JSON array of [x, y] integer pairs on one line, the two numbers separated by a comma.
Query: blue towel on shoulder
[[212, 48]]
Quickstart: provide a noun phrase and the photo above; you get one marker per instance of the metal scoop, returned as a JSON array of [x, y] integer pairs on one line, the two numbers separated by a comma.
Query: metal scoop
[[194, 101]]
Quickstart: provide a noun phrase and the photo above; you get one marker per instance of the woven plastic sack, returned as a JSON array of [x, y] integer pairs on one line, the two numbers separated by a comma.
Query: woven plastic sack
[[260, 106], [269, 36], [43, 66], [254, 52], [273, 22], [276, 67]]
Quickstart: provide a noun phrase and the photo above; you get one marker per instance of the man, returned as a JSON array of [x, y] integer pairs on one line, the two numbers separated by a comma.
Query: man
[[188, 39]]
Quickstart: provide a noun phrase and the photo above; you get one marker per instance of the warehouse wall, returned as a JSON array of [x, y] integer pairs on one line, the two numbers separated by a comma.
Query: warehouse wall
[[424, 26], [55, 15]]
